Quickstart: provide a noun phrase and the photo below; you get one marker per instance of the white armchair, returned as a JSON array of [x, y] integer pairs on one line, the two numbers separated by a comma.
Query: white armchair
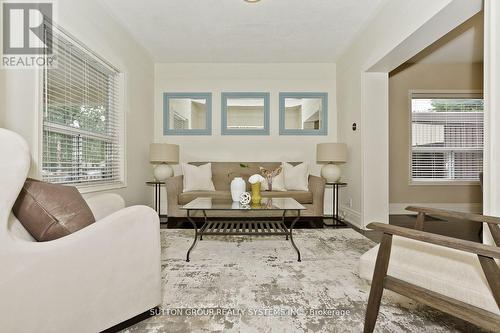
[[88, 281]]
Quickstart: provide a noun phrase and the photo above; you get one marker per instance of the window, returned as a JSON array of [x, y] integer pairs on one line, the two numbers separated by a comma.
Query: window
[[446, 137], [82, 140]]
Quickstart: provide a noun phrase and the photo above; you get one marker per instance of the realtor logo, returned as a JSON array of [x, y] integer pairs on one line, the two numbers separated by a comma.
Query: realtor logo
[[24, 31], [27, 35]]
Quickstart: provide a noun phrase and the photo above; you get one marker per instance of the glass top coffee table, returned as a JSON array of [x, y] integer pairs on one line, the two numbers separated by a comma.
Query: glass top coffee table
[[243, 228]]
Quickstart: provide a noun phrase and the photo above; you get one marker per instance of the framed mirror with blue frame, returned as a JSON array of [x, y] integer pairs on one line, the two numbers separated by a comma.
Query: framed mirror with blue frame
[[187, 113], [245, 113], [303, 113]]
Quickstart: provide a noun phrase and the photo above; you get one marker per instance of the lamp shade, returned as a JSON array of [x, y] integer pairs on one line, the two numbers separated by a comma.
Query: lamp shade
[[331, 152], [163, 153]]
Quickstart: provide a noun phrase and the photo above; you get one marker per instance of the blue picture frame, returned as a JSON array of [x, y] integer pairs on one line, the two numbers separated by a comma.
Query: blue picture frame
[[323, 130], [166, 116], [231, 131]]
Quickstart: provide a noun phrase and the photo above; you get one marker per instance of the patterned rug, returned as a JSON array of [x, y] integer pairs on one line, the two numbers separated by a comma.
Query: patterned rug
[[255, 284]]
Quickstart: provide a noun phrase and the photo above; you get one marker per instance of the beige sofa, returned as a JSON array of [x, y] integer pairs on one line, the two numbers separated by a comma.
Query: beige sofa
[[222, 175]]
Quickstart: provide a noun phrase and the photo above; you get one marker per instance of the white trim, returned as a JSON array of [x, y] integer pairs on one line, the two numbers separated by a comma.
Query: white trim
[[122, 114], [100, 188], [352, 216], [37, 147], [399, 208]]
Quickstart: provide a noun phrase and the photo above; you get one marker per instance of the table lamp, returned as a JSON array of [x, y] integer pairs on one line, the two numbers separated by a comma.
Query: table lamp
[[163, 154], [331, 154]]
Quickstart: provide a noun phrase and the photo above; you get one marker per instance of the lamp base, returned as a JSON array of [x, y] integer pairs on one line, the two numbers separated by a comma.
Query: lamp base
[[331, 173], [163, 171]]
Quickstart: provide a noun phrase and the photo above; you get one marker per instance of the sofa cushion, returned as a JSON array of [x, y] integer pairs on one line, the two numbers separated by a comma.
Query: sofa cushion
[[187, 197], [450, 272], [50, 211], [302, 197]]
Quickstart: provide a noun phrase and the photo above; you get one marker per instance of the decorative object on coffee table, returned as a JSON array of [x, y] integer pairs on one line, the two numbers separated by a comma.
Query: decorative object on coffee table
[[332, 154], [245, 198], [256, 193], [163, 154], [270, 175], [237, 188], [255, 181]]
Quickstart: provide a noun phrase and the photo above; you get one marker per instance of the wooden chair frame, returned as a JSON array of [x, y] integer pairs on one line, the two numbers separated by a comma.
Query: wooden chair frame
[[486, 255]]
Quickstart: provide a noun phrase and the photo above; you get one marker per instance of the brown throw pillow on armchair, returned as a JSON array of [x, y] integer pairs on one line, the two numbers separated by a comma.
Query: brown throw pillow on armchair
[[51, 211]]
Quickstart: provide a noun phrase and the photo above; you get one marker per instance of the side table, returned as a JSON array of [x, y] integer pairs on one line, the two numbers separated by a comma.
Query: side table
[[157, 185], [335, 216]]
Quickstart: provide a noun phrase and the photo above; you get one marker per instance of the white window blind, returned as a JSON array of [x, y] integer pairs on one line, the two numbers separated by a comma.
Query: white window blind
[[447, 137], [81, 120]]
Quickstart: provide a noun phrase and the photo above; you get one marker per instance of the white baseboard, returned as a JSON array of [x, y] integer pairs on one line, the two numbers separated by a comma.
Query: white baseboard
[[350, 215], [399, 208]]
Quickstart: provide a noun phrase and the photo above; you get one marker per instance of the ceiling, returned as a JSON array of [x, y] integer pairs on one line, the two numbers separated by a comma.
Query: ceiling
[[464, 44], [237, 31]]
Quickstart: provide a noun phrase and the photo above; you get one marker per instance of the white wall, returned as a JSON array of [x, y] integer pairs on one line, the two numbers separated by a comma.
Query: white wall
[[380, 47], [272, 78], [89, 22]]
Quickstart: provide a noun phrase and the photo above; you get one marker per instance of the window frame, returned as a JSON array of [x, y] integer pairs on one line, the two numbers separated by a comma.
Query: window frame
[[472, 93], [120, 114]]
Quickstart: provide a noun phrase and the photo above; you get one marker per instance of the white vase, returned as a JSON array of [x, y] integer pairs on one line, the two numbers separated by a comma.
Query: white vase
[[237, 187]]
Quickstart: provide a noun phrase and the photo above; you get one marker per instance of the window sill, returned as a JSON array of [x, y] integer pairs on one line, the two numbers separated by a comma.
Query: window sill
[[444, 183], [99, 188]]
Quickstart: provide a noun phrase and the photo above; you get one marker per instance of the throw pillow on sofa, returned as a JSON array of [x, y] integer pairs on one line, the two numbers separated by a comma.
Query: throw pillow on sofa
[[296, 177], [50, 211], [197, 178]]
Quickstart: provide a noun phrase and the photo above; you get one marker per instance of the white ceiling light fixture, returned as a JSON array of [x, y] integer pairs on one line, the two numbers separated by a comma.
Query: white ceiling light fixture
[[252, 1]]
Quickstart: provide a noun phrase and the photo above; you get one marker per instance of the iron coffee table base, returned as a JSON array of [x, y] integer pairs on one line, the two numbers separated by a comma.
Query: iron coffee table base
[[243, 228]]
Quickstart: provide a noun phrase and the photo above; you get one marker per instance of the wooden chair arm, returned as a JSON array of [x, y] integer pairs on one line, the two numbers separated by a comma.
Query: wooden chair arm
[[450, 242], [454, 214]]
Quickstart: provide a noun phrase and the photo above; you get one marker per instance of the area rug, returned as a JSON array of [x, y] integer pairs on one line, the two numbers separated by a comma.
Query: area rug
[[255, 284]]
